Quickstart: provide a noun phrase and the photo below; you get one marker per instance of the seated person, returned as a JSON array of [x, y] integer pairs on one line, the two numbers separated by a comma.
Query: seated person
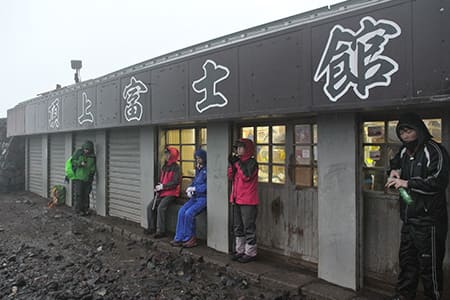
[[196, 192], [166, 191]]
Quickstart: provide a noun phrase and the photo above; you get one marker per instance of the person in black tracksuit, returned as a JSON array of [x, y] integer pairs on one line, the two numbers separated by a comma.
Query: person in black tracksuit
[[420, 167]]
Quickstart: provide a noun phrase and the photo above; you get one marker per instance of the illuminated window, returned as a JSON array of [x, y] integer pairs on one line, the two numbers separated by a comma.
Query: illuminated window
[[186, 140], [305, 151], [380, 144], [270, 142]]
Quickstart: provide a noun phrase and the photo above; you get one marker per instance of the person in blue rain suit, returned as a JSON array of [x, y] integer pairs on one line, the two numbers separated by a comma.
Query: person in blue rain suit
[[196, 192]]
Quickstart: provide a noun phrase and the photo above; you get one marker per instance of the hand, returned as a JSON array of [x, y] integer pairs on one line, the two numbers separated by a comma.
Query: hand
[[394, 174], [396, 183], [159, 187], [232, 158], [190, 191], [66, 179], [83, 163]]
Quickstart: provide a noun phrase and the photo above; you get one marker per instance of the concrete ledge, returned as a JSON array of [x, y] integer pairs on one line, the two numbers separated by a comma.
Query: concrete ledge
[[322, 290], [276, 275], [172, 216]]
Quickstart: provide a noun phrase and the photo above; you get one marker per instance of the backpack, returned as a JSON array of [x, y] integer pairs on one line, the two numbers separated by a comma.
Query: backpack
[[57, 195]]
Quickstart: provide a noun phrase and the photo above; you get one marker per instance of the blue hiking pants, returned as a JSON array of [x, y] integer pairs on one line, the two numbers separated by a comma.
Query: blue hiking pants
[[186, 218]]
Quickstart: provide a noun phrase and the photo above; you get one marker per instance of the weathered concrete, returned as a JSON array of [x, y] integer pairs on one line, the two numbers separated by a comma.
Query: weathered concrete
[[217, 208], [67, 153], [337, 168], [44, 192], [149, 155], [100, 176]]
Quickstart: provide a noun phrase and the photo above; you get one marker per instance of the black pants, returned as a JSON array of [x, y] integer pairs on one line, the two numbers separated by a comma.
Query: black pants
[[244, 227], [422, 250], [81, 190]]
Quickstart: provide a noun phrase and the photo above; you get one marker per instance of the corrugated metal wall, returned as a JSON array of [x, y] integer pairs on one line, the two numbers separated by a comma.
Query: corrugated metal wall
[[123, 174], [80, 138], [56, 160], [35, 170]]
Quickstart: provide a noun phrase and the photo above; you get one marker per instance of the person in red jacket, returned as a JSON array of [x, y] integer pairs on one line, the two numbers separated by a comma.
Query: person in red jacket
[[167, 190], [243, 173]]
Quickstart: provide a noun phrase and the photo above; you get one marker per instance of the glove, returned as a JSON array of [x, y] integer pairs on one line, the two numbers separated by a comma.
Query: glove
[[232, 158], [190, 191], [159, 187]]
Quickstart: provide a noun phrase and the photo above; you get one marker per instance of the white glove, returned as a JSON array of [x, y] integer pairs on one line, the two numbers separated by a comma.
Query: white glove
[[190, 191], [159, 187]]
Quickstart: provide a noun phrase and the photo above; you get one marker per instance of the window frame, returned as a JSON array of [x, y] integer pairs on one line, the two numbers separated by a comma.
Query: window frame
[[289, 147], [312, 144], [386, 145], [198, 143]]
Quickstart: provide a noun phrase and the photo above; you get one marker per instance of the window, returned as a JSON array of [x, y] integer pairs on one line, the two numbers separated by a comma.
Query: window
[[380, 144], [305, 152], [186, 140], [270, 144]]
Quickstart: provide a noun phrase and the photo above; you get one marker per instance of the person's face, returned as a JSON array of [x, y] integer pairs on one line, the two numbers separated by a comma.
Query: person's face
[[408, 135], [240, 150], [85, 151], [166, 155], [199, 161]]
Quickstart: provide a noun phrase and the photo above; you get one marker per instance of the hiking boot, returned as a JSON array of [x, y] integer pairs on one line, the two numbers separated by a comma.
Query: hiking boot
[[175, 243], [236, 256], [192, 242], [159, 235], [149, 231], [246, 258]]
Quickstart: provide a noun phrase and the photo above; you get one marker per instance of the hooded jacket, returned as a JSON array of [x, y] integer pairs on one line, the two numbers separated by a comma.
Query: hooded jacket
[[244, 176], [81, 166], [171, 175], [199, 181], [424, 164]]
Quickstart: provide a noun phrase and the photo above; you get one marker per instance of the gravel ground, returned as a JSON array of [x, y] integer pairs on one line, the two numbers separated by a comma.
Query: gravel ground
[[54, 254]]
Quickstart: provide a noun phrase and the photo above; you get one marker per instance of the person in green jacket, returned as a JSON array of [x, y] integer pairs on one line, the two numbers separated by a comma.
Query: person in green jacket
[[80, 168]]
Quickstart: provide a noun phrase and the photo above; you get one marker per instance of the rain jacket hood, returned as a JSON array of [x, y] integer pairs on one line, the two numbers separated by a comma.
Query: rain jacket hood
[[413, 121], [202, 154], [174, 155], [89, 146], [249, 149]]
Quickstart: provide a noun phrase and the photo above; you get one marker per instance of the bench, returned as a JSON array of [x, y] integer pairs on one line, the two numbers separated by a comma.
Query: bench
[[172, 216]]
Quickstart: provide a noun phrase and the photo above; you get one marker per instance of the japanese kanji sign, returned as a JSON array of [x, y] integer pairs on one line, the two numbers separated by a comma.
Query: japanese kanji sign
[[53, 114], [131, 94], [207, 85], [355, 59], [86, 115]]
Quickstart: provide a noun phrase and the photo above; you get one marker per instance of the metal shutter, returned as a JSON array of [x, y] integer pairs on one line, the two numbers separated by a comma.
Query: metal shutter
[[80, 138], [35, 171], [124, 175], [56, 160]]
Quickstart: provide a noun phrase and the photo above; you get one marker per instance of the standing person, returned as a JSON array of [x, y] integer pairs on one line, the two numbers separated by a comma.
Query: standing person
[[196, 192], [80, 168], [421, 168], [243, 173], [167, 190]]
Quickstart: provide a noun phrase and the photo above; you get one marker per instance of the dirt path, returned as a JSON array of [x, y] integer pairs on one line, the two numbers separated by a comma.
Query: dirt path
[[54, 254]]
